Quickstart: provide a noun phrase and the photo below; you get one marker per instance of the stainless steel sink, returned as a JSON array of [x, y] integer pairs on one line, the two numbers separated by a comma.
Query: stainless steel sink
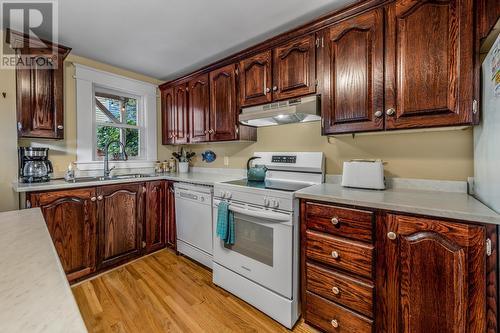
[[102, 178]]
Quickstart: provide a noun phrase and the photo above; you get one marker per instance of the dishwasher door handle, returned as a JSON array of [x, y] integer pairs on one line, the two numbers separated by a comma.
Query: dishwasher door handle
[[261, 214]]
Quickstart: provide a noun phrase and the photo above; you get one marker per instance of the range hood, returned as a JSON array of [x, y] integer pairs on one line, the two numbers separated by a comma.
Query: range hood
[[297, 110]]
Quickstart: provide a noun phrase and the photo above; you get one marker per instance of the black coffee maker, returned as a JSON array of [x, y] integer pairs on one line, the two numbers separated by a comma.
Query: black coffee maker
[[34, 165]]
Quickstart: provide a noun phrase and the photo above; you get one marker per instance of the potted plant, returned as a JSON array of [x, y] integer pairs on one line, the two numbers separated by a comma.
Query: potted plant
[[183, 157]]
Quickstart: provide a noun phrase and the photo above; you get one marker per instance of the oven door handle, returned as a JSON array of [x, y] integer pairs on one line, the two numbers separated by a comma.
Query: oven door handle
[[260, 214]]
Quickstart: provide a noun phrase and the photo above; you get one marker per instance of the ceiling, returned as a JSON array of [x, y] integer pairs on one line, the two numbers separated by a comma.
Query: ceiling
[[167, 38]]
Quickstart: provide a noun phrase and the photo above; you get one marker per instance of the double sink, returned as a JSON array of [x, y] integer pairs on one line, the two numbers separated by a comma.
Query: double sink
[[102, 178]]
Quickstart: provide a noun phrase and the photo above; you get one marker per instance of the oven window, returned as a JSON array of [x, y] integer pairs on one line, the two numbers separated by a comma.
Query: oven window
[[253, 240]]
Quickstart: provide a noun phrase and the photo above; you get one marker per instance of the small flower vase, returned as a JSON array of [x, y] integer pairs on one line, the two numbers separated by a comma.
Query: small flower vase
[[183, 167]]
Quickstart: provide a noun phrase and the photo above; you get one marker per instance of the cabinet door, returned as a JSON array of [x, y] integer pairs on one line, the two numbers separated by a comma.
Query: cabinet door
[[171, 229], [199, 109], [429, 63], [223, 105], [181, 130], [435, 276], [255, 79], [71, 219], [350, 61], [167, 116], [155, 215], [121, 211], [294, 68], [40, 99], [488, 12]]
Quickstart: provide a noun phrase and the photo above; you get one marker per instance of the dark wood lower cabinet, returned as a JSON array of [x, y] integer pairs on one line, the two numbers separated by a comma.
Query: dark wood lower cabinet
[[156, 216], [71, 218], [430, 275], [171, 230], [121, 213], [96, 228]]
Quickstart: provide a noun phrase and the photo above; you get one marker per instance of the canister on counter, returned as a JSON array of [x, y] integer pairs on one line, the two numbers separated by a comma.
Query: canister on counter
[[166, 166], [173, 165], [158, 167]]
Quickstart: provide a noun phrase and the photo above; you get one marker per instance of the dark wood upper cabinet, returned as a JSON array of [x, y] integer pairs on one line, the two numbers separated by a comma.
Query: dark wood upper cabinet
[[488, 14], [181, 129], [121, 214], [429, 63], [223, 104], [155, 221], [350, 62], [255, 79], [167, 116], [71, 218], [40, 89], [199, 109], [435, 276], [294, 68]]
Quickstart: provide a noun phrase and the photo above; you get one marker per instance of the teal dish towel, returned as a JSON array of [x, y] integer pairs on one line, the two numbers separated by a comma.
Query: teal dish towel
[[225, 223]]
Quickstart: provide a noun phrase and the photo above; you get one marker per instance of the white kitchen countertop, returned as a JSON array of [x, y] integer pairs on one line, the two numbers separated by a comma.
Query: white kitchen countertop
[[460, 206], [35, 295], [203, 178]]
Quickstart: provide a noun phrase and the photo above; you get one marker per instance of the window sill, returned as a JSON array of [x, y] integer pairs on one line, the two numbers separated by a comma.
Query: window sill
[[99, 165]]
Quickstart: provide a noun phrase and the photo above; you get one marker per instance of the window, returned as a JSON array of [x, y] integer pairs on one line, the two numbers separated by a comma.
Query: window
[[117, 118], [112, 107]]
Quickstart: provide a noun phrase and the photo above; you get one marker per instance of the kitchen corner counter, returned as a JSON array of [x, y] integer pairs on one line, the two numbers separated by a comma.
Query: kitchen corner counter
[[202, 178], [459, 206], [34, 293]]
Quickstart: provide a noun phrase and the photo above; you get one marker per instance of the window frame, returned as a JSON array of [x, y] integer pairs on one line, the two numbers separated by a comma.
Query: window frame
[[140, 122], [87, 79]]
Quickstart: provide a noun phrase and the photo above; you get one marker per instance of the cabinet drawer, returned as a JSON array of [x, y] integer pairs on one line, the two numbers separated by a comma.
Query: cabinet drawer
[[332, 317], [340, 288], [345, 222], [345, 254]]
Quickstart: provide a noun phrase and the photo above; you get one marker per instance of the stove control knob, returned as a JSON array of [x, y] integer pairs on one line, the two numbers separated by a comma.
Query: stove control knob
[[266, 202], [228, 195], [276, 203], [223, 195]]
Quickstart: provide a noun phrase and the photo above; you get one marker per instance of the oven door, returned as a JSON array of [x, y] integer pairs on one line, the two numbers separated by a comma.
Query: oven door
[[263, 248]]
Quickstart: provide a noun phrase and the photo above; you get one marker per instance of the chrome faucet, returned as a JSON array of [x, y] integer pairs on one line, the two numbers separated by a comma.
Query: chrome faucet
[[107, 170]]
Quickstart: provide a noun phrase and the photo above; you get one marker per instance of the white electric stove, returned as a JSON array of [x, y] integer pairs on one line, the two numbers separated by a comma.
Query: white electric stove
[[262, 266]]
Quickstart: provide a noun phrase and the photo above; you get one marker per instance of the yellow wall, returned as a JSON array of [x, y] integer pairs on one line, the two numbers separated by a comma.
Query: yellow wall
[[431, 155], [8, 139], [443, 155], [63, 152]]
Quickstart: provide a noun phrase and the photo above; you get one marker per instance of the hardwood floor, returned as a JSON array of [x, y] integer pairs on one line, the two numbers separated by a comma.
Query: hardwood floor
[[167, 293]]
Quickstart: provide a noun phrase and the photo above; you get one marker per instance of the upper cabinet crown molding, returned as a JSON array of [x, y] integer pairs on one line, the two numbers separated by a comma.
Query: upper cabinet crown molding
[[378, 65]]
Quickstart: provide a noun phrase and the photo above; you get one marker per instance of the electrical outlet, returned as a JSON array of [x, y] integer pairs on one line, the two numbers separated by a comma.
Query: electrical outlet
[[226, 160]]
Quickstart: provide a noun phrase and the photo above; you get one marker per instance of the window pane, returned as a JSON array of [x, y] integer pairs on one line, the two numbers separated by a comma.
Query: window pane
[[132, 142], [108, 110], [131, 111], [106, 135]]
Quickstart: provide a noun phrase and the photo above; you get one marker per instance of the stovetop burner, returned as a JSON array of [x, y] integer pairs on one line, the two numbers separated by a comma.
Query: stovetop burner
[[268, 184]]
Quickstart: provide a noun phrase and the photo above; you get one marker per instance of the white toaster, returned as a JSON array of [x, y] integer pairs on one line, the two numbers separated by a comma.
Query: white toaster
[[364, 174]]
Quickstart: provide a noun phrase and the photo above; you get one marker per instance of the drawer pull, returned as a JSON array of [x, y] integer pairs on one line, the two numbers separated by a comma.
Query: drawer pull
[[335, 255], [335, 220], [93, 199], [335, 323], [336, 290]]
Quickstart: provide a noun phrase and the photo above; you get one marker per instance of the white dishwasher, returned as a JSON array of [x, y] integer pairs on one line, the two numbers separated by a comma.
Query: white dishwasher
[[193, 217]]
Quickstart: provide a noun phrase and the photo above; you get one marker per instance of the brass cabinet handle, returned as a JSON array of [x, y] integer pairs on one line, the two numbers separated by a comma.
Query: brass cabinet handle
[[335, 255], [390, 111], [335, 220], [100, 197], [391, 235], [378, 114], [275, 88], [268, 89], [93, 199], [336, 290], [60, 127], [335, 323]]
